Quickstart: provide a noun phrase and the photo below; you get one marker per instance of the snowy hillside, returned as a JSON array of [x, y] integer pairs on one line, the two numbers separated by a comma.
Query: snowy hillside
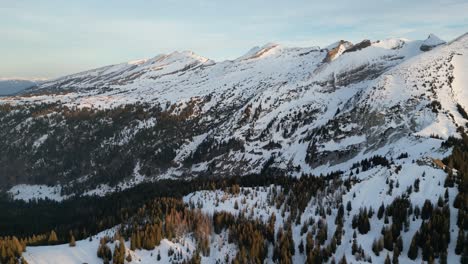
[[260, 203]]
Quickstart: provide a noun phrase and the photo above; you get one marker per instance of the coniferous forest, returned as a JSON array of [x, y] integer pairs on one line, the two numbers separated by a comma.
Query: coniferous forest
[[150, 212]]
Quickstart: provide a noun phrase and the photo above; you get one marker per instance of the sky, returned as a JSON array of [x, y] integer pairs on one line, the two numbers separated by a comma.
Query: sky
[[52, 38]]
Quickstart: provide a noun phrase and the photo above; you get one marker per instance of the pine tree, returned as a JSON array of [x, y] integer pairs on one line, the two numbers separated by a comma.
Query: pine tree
[[375, 247], [396, 254], [460, 241], [348, 206], [426, 211], [440, 202], [443, 258], [354, 247], [3, 253], [427, 251], [122, 250], [133, 242], [381, 211], [343, 260], [104, 252], [387, 260], [388, 239], [72, 241], [52, 238], [138, 240], [399, 244], [413, 248], [196, 259], [301, 247], [116, 256], [119, 252], [416, 185]]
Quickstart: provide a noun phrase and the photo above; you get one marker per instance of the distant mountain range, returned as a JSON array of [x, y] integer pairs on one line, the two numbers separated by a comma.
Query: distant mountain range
[[13, 86]]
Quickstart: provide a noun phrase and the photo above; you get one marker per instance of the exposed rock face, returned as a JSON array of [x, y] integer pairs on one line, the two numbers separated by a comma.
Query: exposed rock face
[[336, 50], [359, 46]]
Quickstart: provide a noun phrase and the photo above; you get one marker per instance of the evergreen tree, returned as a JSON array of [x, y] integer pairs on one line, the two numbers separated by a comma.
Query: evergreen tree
[[375, 247], [301, 247], [460, 241], [387, 260], [72, 241], [381, 211], [133, 242], [104, 252], [399, 244], [354, 247], [426, 211], [348, 206], [396, 254], [52, 238], [388, 239], [443, 258], [343, 260], [119, 252]]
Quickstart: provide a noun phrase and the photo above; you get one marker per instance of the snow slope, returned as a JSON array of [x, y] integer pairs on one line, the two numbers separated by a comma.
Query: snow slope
[[85, 251], [460, 91], [371, 192], [258, 203]]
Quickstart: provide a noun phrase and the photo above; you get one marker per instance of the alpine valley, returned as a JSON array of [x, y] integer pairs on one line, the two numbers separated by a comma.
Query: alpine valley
[[351, 153]]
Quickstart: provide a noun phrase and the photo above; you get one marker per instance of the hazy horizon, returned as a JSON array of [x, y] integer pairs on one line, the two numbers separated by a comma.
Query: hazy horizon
[[51, 38]]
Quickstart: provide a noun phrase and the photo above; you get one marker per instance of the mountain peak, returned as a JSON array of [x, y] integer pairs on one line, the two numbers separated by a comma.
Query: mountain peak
[[181, 56], [338, 43], [171, 57], [336, 49], [431, 42], [257, 52]]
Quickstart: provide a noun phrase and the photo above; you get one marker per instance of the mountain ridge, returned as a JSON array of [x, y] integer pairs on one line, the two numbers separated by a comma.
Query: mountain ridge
[[270, 111]]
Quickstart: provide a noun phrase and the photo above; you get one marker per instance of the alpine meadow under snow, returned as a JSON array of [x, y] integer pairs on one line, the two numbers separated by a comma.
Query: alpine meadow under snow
[[352, 153]]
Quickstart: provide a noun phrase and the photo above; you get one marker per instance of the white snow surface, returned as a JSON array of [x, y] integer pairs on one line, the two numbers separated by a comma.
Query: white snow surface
[[460, 85], [85, 251], [28, 192]]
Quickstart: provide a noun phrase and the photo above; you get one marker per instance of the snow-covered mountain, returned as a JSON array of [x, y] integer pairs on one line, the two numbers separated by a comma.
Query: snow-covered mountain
[[377, 111], [299, 110]]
